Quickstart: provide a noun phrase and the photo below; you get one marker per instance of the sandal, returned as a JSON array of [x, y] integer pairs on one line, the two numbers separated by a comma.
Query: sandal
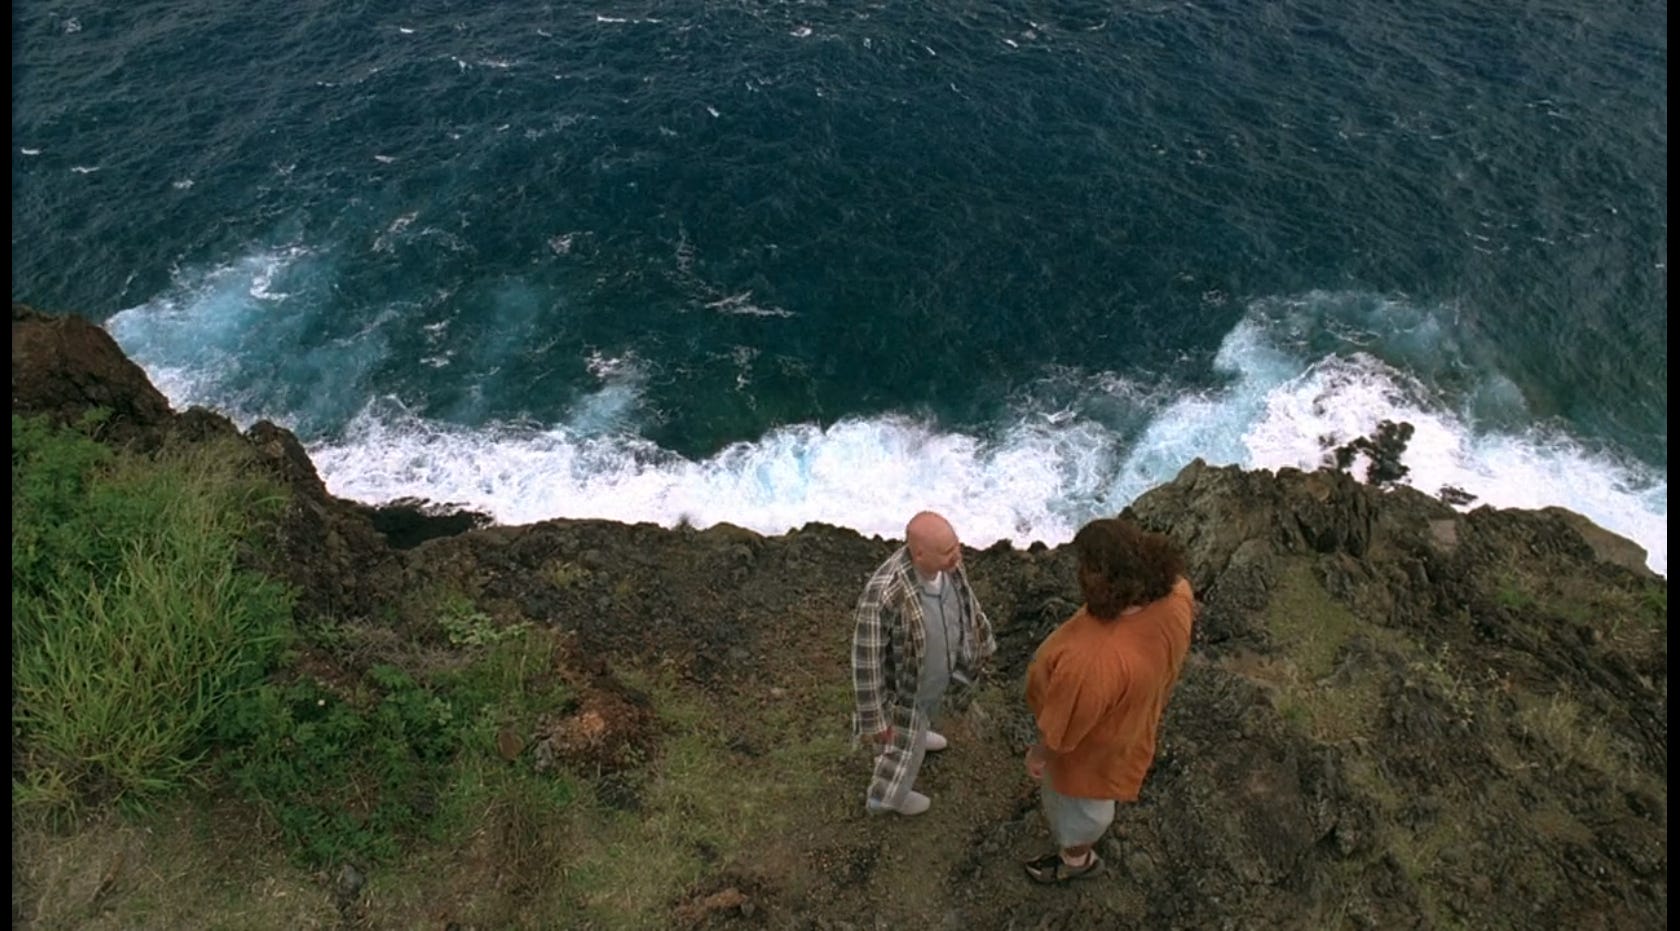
[[1053, 870]]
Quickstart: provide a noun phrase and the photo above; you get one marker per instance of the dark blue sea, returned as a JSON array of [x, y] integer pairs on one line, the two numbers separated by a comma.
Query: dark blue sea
[[776, 262]]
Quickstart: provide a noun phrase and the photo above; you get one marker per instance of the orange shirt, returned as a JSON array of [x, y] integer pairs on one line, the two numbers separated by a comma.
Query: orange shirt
[[1097, 689]]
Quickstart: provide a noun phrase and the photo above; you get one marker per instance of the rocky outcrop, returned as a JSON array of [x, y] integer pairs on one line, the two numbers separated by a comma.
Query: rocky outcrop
[[64, 367]]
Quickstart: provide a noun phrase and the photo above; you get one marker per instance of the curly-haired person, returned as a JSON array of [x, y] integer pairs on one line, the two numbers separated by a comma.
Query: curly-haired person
[[1099, 684]]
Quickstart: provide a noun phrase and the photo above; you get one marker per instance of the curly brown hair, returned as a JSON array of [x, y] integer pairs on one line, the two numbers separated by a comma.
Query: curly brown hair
[[1123, 566]]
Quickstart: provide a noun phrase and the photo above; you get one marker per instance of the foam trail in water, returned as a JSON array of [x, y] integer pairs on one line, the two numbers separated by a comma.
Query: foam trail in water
[[1037, 481]]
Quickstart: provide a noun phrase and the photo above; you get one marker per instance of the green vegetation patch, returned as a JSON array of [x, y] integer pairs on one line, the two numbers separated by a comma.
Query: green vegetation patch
[[616, 849], [1561, 725], [1629, 613], [353, 774], [133, 620], [1332, 714], [1306, 623], [1312, 631], [717, 787]]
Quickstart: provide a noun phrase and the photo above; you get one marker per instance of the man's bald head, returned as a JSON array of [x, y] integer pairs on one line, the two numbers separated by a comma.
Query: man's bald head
[[933, 544]]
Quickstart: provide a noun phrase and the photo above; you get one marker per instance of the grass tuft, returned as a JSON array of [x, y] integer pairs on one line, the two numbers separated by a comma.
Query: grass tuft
[[134, 622]]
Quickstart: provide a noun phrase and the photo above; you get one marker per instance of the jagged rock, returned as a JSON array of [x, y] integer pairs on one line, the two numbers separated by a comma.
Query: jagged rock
[[65, 366], [1383, 448], [409, 522]]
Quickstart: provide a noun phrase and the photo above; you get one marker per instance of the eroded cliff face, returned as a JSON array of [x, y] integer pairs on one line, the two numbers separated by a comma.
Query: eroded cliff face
[[1395, 714]]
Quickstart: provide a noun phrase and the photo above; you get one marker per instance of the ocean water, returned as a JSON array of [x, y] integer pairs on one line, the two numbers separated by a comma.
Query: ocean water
[[778, 262]]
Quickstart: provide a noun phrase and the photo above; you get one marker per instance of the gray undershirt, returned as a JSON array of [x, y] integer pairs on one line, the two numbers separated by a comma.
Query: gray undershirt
[[941, 617]]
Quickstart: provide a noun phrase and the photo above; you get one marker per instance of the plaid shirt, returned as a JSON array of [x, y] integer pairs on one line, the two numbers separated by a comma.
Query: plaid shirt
[[889, 641]]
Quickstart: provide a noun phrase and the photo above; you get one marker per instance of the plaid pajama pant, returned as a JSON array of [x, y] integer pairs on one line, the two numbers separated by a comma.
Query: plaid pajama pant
[[898, 763]]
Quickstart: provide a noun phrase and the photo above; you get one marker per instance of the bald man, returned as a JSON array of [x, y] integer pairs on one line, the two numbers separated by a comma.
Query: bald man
[[920, 645]]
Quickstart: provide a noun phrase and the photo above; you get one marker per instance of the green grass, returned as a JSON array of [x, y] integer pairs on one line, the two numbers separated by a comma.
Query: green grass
[[517, 848], [1306, 623], [186, 864], [565, 574], [1624, 615], [703, 801], [346, 776], [510, 681], [1629, 613], [141, 647], [466, 626], [1331, 714], [134, 622], [1559, 724], [1512, 594], [1310, 631], [1417, 852]]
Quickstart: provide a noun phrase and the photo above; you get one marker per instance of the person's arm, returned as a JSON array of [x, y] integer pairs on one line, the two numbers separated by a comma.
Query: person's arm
[[1066, 713], [869, 655]]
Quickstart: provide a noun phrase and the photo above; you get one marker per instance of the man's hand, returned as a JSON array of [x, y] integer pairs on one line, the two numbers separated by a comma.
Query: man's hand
[[1037, 759]]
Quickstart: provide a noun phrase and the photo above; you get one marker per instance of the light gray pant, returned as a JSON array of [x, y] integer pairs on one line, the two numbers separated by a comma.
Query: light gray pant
[[1075, 822]]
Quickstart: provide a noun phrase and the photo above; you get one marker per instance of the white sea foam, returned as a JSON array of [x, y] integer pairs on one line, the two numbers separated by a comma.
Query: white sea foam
[[1342, 399], [1281, 410], [1038, 480], [865, 474], [1085, 446]]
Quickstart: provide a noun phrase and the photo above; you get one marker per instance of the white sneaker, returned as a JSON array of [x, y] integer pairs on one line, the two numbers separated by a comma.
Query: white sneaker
[[935, 741], [914, 804]]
